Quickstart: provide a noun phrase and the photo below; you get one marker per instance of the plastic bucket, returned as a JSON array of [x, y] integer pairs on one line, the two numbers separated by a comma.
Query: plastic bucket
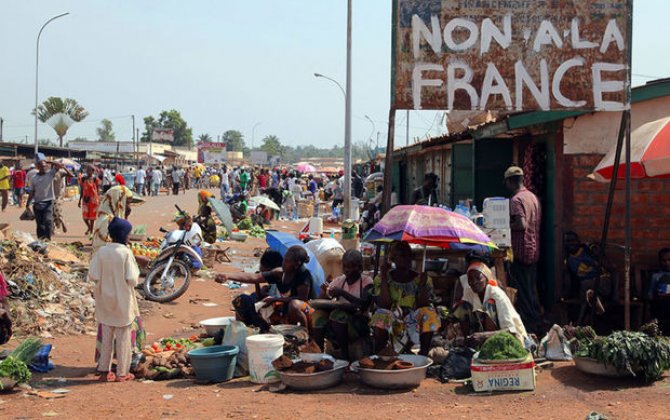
[[263, 349], [316, 226], [214, 363]]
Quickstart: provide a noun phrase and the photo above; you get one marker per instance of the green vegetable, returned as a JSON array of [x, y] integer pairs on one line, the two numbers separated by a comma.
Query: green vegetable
[[15, 369], [629, 351], [208, 342], [27, 349], [257, 232], [245, 224], [502, 346]]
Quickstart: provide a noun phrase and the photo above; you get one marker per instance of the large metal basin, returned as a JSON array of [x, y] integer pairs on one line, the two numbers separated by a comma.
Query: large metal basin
[[315, 381], [396, 379]]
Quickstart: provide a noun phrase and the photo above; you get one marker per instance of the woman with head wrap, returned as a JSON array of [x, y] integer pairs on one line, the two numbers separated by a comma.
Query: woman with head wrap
[[115, 273], [485, 307], [115, 202]]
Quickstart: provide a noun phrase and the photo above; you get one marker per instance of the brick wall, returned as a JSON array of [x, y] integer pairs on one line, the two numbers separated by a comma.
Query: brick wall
[[585, 201]]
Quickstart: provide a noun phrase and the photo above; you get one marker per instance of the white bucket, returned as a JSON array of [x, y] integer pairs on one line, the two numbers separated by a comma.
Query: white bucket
[[316, 226], [263, 350]]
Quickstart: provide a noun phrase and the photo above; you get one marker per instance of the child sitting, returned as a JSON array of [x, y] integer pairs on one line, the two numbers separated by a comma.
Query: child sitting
[[207, 224], [115, 272]]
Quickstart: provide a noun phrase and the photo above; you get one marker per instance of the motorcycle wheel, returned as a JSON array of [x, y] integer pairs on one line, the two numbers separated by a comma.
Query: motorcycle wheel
[[174, 285]]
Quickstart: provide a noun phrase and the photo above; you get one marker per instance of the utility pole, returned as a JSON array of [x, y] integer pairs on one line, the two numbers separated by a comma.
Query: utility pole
[[137, 156], [407, 130], [2, 122], [347, 123]]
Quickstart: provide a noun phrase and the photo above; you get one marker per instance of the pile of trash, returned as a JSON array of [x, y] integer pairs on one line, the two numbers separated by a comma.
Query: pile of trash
[[49, 291]]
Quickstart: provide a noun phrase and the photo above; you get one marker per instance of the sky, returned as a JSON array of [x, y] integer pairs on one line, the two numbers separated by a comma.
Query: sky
[[228, 64]]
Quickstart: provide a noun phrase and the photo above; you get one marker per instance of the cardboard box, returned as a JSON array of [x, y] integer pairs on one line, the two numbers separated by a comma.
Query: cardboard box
[[503, 376], [496, 213], [500, 237]]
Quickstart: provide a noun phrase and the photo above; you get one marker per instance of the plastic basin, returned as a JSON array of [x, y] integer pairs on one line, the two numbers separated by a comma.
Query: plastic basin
[[214, 364]]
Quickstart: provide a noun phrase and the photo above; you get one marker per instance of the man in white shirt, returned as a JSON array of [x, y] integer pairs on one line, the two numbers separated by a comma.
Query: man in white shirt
[[156, 180], [140, 178], [329, 253]]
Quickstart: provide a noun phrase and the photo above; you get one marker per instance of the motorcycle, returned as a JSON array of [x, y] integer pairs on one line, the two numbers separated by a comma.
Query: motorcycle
[[170, 272]]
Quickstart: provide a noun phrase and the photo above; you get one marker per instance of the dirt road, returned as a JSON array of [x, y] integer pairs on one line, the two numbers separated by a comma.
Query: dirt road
[[562, 392]]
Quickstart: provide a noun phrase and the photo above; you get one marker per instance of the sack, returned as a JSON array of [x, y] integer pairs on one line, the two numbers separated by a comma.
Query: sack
[[236, 335], [27, 214], [554, 346], [457, 364]]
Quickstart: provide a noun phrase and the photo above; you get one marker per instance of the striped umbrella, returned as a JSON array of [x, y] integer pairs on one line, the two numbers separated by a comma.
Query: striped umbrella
[[649, 155]]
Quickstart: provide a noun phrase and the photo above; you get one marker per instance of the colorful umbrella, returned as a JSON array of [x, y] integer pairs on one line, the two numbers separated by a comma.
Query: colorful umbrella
[[430, 226], [261, 200], [649, 154], [305, 167]]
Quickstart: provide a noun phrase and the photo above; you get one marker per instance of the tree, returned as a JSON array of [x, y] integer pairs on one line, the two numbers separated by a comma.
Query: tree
[[183, 134], [204, 138], [272, 145], [60, 114], [234, 141], [105, 132]]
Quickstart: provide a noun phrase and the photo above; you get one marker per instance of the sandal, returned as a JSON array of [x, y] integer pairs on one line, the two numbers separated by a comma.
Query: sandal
[[126, 378], [107, 377]]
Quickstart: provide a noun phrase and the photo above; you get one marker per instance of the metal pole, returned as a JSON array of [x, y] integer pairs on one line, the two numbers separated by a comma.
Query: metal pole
[[137, 154], [253, 133], [37, 71], [347, 123], [407, 130], [628, 229], [134, 139], [334, 81], [388, 165], [2, 122]]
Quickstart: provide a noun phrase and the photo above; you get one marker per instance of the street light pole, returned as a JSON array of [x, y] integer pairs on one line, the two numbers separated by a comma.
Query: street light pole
[[253, 133], [334, 81], [347, 124], [37, 71]]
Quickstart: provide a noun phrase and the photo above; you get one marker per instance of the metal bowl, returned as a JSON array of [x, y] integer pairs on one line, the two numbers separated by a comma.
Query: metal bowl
[[396, 379], [594, 367], [315, 381], [214, 325]]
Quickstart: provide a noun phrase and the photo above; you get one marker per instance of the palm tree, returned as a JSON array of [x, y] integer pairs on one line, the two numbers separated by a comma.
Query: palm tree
[[205, 138], [60, 114]]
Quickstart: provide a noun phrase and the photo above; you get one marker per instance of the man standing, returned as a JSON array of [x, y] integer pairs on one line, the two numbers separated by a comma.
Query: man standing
[[177, 179], [244, 180], [140, 178], [525, 215], [60, 183], [42, 192], [107, 179], [156, 181], [426, 194], [4, 184], [19, 184]]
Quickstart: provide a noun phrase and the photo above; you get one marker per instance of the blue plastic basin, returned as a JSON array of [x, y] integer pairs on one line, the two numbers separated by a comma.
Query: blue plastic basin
[[214, 363]]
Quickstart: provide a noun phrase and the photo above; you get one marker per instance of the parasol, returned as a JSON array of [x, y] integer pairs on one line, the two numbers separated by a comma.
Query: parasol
[[430, 226], [305, 167], [70, 164], [261, 200], [223, 213], [649, 156], [282, 241]]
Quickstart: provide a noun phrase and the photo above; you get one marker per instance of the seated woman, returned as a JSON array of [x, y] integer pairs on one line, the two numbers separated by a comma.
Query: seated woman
[[346, 324], [485, 307], [294, 287], [245, 305], [403, 301]]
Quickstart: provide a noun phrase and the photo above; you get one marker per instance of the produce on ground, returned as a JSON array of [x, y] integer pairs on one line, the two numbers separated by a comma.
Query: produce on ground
[[502, 346], [14, 369], [167, 359], [257, 232], [245, 224], [629, 351], [387, 364], [27, 350]]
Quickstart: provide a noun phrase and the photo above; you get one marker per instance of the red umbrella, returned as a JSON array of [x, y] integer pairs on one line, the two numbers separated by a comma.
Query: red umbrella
[[649, 155]]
